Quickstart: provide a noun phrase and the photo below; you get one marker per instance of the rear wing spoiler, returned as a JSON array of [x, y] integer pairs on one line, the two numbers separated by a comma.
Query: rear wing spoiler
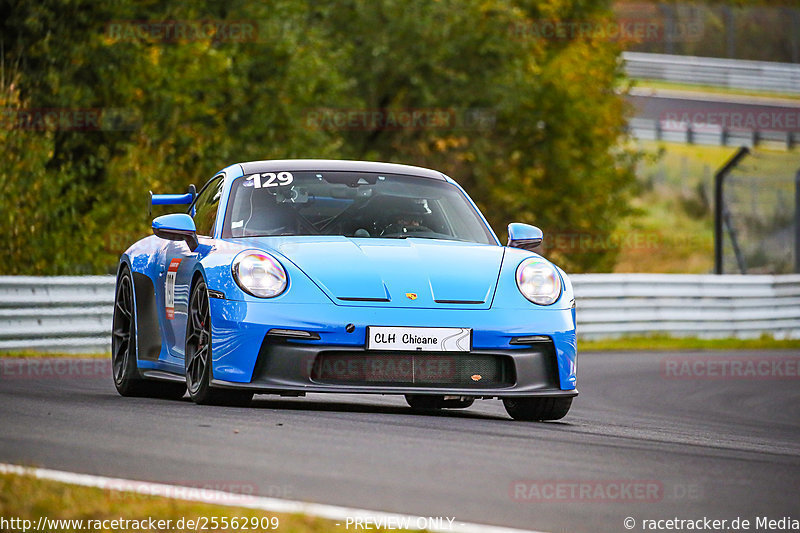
[[172, 199]]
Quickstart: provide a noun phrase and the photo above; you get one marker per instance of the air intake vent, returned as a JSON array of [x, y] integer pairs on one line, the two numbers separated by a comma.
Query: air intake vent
[[348, 299], [398, 369]]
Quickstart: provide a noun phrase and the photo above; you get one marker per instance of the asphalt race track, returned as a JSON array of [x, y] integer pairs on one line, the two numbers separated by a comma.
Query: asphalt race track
[[751, 112], [717, 448]]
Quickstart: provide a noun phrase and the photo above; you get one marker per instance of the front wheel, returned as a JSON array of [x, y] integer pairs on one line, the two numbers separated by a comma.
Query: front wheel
[[536, 408], [198, 355], [123, 349]]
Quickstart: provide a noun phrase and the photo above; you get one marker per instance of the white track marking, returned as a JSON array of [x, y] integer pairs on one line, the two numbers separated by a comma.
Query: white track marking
[[275, 505]]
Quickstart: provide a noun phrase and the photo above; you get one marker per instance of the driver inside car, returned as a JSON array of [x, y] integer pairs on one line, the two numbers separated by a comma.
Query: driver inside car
[[404, 224], [410, 220]]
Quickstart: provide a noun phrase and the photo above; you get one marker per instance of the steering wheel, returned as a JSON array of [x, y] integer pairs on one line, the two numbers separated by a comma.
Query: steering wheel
[[399, 229]]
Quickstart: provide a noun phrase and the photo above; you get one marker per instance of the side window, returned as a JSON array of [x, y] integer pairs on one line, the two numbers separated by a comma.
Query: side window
[[206, 205]]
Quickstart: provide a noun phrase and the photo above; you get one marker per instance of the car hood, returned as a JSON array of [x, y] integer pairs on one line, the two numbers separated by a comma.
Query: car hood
[[413, 272]]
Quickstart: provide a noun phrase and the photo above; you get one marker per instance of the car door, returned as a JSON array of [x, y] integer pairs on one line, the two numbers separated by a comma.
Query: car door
[[179, 264]]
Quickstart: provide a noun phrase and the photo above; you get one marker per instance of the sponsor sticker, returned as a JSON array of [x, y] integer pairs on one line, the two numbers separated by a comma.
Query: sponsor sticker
[[169, 289]]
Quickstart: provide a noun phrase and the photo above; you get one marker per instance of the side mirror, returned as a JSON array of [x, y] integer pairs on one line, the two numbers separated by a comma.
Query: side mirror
[[524, 236], [177, 227]]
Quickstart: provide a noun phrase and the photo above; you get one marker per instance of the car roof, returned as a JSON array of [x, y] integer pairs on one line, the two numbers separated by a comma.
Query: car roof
[[330, 165]]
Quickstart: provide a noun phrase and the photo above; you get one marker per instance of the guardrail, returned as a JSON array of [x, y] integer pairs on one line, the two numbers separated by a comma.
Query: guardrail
[[70, 314], [709, 134], [731, 73], [73, 314], [705, 306]]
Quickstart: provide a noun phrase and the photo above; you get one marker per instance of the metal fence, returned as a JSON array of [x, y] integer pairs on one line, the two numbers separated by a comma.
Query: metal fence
[[73, 314], [757, 214], [731, 73]]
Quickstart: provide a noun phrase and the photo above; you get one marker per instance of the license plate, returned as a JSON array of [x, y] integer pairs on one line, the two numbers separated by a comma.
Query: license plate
[[419, 339]]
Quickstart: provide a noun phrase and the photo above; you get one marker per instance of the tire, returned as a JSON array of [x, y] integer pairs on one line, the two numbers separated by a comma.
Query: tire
[[198, 355], [125, 372], [427, 402], [532, 409]]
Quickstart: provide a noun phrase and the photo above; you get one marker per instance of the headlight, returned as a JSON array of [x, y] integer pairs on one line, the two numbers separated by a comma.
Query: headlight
[[538, 281], [259, 274]]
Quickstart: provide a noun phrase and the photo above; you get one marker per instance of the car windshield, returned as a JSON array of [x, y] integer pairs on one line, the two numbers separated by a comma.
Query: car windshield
[[352, 204]]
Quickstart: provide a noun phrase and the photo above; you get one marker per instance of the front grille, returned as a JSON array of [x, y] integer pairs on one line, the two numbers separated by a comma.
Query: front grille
[[411, 368]]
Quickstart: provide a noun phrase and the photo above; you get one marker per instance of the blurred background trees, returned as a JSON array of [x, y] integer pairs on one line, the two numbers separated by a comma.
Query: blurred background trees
[[534, 131], [760, 30]]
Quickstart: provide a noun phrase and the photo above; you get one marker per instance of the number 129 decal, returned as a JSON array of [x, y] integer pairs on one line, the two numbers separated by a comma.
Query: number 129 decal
[[169, 287], [270, 179]]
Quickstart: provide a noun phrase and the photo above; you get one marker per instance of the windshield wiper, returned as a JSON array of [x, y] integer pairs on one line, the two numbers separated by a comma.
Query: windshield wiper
[[411, 236]]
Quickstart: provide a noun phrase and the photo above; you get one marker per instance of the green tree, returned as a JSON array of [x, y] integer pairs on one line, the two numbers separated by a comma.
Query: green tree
[[544, 148], [550, 155]]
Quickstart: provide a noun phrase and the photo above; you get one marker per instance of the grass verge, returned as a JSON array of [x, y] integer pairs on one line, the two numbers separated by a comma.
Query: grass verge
[[28, 498], [665, 342], [710, 89], [27, 354], [672, 228]]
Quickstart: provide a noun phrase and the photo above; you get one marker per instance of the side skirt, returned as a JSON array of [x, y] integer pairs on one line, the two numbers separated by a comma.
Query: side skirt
[[160, 375]]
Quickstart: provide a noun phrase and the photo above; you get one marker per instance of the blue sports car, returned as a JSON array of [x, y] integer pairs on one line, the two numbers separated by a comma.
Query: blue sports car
[[296, 276]]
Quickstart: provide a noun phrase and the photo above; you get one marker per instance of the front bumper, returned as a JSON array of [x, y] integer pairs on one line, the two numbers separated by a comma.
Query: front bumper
[[245, 357]]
